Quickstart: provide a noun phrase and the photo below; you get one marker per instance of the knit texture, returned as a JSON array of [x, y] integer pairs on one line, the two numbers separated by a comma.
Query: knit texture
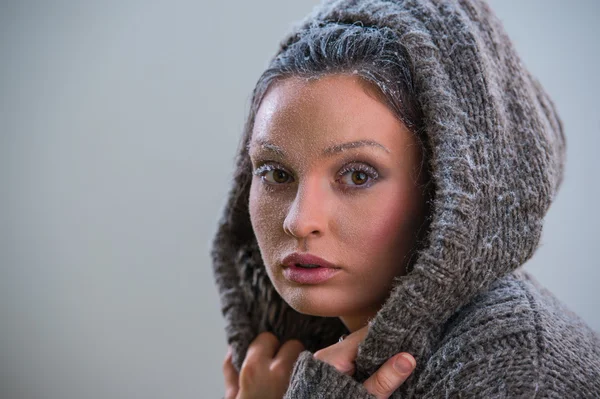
[[476, 324]]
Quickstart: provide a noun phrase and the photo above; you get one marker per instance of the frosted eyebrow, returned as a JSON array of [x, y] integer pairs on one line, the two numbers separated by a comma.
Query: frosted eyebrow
[[267, 145], [353, 144], [327, 152]]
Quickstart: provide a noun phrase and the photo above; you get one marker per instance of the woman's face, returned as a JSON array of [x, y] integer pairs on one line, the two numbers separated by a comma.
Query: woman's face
[[336, 175]]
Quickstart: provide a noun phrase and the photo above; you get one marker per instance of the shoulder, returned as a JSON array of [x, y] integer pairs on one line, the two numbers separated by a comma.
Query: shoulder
[[514, 340]]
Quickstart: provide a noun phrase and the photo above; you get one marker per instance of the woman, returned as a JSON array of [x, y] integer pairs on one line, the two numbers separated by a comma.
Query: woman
[[393, 176]]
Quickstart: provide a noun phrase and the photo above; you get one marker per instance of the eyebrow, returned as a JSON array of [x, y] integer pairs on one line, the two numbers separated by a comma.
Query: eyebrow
[[327, 152]]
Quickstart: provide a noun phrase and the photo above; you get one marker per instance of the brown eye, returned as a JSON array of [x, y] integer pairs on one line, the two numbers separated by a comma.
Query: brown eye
[[273, 174], [276, 176], [359, 177], [279, 176]]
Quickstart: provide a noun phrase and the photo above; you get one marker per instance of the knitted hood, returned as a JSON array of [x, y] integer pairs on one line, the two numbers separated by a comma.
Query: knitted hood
[[497, 155]]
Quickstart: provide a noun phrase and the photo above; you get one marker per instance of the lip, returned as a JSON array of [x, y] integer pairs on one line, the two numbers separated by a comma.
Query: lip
[[306, 258], [308, 276]]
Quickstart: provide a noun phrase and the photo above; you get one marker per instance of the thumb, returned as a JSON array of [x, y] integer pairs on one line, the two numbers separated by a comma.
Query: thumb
[[231, 377], [390, 375]]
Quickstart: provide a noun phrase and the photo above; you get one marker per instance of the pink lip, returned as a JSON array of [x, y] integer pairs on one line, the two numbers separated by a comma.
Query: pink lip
[[307, 276]]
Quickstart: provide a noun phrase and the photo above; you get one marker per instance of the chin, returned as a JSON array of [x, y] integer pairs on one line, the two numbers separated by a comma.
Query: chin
[[316, 303], [315, 310]]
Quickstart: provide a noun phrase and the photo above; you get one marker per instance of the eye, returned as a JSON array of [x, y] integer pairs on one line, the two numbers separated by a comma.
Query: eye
[[272, 174], [358, 175]]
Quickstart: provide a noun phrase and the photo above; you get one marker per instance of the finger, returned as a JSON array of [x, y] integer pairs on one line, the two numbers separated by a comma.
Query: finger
[[356, 337], [262, 349], [231, 377], [340, 357], [287, 355], [342, 354], [390, 375], [350, 344]]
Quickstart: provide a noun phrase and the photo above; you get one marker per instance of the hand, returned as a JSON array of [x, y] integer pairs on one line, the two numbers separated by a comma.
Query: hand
[[266, 370], [384, 381]]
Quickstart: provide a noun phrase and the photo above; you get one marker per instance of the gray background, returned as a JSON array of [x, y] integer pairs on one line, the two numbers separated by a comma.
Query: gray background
[[118, 126]]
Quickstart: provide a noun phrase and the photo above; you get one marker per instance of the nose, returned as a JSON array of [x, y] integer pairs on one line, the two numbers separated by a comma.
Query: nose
[[308, 213]]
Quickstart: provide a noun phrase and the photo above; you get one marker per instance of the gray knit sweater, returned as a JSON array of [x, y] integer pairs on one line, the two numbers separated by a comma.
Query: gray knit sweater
[[477, 325]]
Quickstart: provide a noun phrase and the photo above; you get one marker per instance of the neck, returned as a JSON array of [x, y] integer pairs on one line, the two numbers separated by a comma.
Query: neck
[[357, 321]]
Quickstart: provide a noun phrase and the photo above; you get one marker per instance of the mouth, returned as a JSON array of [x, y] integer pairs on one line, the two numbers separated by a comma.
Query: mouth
[[308, 274], [307, 261], [307, 266], [307, 269]]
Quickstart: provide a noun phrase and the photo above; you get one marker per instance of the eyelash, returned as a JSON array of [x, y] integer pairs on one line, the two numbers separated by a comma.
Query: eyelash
[[353, 166]]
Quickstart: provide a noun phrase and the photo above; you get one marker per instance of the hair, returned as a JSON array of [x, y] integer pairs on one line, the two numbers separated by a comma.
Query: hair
[[376, 55]]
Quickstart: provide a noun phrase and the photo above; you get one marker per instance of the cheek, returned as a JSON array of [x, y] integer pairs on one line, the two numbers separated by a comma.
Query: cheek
[[258, 208], [266, 219], [387, 229], [385, 226]]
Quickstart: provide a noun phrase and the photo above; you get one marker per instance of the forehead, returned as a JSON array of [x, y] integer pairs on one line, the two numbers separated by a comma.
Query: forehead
[[324, 112]]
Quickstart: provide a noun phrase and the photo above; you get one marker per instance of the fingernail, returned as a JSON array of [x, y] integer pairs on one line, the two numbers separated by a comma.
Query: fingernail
[[404, 363]]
